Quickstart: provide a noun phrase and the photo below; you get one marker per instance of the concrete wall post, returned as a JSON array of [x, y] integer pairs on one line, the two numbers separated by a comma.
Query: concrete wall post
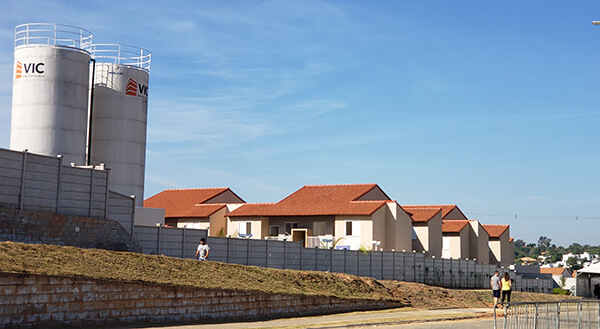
[[23, 172], [91, 192], [59, 183]]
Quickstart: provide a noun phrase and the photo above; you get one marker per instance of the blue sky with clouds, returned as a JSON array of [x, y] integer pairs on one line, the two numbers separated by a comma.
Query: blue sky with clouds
[[489, 105]]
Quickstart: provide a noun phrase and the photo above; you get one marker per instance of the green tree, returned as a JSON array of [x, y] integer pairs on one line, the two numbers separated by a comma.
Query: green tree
[[573, 264], [544, 243]]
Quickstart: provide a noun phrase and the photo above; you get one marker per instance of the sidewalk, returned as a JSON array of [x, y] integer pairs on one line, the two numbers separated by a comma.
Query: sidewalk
[[354, 319]]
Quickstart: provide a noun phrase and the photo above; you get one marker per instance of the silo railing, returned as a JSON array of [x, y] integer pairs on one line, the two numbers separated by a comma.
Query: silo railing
[[125, 55], [52, 34]]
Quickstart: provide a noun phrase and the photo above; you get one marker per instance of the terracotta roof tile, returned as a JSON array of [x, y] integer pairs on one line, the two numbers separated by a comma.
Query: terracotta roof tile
[[495, 231], [446, 209], [318, 200], [453, 226], [182, 203], [421, 214], [553, 270]]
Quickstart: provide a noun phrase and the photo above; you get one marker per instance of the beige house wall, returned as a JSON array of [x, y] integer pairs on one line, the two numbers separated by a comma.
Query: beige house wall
[[455, 214], [464, 243], [383, 222], [478, 243], [507, 254], [458, 244], [304, 222], [495, 251], [259, 226], [218, 223], [398, 229], [435, 236], [195, 223], [501, 251], [362, 232], [421, 243], [374, 194], [225, 197]]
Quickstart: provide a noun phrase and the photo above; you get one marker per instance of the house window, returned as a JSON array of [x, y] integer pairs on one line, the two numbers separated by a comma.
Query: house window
[[289, 226], [446, 244], [319, 228], [274, 230], [349, 228], [245, 228]]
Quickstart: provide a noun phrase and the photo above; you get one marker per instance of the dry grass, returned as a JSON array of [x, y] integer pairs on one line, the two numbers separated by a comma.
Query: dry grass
[[125, 266]]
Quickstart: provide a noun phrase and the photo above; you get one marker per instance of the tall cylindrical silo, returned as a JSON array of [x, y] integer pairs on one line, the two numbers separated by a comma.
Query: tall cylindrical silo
[[50, 90], [119, 115]]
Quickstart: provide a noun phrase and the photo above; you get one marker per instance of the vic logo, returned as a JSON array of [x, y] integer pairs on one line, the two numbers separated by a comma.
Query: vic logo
[[28, 68], [136, 89]]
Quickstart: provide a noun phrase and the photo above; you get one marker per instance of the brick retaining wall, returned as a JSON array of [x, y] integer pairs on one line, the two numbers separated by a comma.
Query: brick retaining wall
[[66, 230], [32, 301]]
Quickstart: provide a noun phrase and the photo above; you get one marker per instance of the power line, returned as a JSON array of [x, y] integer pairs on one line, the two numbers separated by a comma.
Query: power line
[[552, 217]]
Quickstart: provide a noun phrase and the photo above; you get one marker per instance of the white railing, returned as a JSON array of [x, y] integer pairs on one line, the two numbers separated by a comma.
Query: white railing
[[52, 34], [581, 314], [125, 55]]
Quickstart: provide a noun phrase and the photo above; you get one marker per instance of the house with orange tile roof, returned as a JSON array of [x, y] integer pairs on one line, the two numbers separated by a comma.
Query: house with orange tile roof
[[455, 239], [427, 229], [501, 251], [560, 275], [347, 216], [200, 208]]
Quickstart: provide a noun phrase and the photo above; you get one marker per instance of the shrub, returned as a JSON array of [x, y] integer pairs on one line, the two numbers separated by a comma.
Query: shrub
[[560, 291]]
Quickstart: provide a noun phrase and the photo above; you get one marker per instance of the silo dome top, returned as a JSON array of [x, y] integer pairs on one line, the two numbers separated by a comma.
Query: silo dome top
[[125, 55], [52, 34]]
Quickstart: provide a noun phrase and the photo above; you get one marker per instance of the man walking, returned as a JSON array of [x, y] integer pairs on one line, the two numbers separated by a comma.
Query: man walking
[[495, 283], [202, 251]]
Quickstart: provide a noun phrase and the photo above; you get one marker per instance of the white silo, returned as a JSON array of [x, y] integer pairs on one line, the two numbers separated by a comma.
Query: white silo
[[50, 90], [119, 115]]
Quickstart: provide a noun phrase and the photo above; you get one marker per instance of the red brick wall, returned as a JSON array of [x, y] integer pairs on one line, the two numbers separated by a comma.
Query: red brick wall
[[28, 300]]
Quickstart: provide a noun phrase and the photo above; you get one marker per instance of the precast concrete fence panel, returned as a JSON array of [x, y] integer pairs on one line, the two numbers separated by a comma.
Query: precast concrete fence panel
[[44, 183]]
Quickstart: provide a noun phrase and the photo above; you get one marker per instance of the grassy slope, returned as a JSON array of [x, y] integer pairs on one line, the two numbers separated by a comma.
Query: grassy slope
[[102, 264]]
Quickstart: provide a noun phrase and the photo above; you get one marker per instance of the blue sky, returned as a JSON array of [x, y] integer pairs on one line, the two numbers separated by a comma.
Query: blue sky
[[489, 105]]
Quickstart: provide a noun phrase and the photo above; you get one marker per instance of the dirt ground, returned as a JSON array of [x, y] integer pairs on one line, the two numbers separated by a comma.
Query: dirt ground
[[430, 297]]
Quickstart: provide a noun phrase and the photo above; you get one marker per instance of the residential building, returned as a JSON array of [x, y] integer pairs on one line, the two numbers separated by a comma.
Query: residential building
[[427, 229], [501, 252], [202, 208], [561, 276], [342, 216], [479, 239], [455, 239]]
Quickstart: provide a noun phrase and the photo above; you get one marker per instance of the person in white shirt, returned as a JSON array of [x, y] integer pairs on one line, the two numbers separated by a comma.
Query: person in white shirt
[[202, 251]]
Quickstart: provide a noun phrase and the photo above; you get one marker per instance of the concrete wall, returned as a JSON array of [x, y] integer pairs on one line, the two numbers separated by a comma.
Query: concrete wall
[[149, 216], [28, 301], [42, 183], [65, 230], [405, 266], [169, 241], [389, 265]]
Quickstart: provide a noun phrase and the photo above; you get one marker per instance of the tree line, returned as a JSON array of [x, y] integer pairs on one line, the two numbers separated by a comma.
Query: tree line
[[553, 253]]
